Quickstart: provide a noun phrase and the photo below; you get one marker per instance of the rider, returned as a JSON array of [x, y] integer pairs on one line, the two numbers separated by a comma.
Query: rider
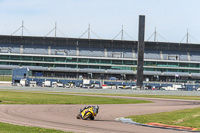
[[95, 110]]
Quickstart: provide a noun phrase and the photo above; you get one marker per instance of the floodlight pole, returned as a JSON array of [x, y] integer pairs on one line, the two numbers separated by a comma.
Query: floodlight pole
[[22, 28], [55, 28], [187, 40], [155, 35], [122, 34], [89, 31]]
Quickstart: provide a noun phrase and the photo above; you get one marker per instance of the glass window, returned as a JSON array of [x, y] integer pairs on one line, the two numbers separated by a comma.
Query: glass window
[[60, 59], [149, 69], [194, 65], [172, 64], [15, 57], [4, 57], [161, 64], [184, 65], [106, 61], [14, 63], [94, 67], [150, 63], [105, 67], [49, 59], [4, 63], [93, 60], [119, 62], [128, 62], [83, 60], [71, 59], [37, 58], [59, 65], [82, 66], [71, 66], [27, 58]]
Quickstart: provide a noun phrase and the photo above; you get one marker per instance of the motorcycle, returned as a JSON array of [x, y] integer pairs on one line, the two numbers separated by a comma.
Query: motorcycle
[[88, 112]]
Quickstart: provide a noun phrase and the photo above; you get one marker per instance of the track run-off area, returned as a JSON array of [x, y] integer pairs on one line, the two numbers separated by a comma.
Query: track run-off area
[[63, 117]]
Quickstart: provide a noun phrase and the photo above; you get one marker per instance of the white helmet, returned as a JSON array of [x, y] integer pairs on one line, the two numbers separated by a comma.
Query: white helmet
[[97, 107]]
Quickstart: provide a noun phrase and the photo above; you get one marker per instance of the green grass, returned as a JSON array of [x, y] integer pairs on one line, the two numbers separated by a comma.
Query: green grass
[[6, 78], [9, 97], [169, 97], [148, 96], [8, 128], [186, 117], [37, 97]]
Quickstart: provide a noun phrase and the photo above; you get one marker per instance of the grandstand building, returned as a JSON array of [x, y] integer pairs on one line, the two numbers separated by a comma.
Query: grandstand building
[[98, 58]]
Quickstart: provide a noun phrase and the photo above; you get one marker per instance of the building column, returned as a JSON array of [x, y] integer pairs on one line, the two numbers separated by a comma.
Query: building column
[[77, 51], [134, 54], [21, 49], [140, 60], [106, 54], [49, 50]]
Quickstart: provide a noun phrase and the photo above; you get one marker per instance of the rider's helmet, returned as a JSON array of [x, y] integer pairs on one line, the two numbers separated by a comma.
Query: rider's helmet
[[96, 109]]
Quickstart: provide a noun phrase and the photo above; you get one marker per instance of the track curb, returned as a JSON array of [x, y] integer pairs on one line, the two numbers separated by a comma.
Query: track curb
[[129, 121]]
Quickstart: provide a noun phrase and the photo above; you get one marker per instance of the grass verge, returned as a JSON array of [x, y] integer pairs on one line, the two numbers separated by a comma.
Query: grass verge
[[169, 97], [146, 96], [186, 117], [9, 128], [8, 97]]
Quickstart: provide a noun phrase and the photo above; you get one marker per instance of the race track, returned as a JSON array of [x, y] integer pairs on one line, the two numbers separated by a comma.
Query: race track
[[63, 117]]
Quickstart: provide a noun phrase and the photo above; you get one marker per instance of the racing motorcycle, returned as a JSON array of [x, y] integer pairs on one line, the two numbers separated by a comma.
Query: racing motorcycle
[[88, 112]]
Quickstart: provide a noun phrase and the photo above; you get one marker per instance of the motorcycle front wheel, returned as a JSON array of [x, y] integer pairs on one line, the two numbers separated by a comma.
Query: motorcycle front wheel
[[78, 116], [87, 116]]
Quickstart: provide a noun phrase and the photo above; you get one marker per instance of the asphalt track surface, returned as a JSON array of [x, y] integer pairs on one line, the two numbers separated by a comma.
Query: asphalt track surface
[[63, 117]]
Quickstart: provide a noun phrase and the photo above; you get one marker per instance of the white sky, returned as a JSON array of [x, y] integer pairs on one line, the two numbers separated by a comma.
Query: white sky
[[106, 17]]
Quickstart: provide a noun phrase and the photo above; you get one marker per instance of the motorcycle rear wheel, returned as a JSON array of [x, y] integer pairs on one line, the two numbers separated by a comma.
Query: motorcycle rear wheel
[[91, 117]]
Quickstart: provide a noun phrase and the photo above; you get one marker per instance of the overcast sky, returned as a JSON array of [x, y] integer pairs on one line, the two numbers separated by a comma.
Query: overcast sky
[[106, 17]]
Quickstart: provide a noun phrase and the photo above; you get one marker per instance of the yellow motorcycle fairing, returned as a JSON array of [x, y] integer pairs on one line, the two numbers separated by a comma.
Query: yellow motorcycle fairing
[[87, 112]]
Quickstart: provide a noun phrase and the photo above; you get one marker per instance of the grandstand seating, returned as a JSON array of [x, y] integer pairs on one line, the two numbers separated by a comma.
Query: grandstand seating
[[89, 51], [195, 56], [124, 52], [175, 55], [71, 51], [12, 48], [183, 56], [15, 50], [98, 52], [151, 54], [34, 51]]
